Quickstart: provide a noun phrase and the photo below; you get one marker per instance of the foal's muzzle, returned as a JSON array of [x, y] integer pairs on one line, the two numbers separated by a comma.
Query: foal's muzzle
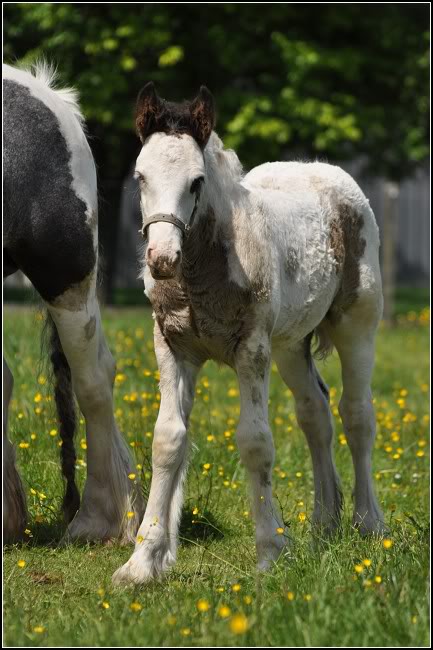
[[163, 265]]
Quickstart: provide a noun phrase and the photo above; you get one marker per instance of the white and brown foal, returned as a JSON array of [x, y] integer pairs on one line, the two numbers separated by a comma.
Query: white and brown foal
[[243, 270]]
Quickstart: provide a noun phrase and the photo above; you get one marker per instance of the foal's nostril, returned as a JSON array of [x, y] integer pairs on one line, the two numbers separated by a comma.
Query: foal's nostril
[[149, 253]]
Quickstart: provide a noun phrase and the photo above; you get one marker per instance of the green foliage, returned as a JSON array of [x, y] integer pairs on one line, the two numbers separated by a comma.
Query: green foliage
[[326, 80], [57, 598]]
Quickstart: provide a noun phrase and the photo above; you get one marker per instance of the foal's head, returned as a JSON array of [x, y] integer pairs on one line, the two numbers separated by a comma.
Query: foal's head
[[171, 171]]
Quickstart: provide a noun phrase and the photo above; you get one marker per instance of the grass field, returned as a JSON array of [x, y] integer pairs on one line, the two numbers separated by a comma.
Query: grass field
[[346, 592]]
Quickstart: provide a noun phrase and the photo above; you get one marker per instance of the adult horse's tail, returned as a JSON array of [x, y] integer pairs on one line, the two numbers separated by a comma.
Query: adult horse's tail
[[65, 404]]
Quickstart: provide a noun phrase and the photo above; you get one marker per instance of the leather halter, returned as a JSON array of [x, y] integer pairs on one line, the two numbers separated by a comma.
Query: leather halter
[[166, 218], [171, 218]]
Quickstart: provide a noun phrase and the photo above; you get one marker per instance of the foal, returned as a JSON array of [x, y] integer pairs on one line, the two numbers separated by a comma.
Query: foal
[[242, 270], [51, 234]]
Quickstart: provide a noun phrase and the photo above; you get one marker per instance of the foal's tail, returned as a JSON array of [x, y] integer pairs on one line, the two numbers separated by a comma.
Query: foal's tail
[[65, 404]]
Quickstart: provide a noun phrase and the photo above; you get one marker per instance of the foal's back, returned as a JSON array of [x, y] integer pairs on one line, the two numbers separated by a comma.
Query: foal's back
[[326, 238], [50, 199]]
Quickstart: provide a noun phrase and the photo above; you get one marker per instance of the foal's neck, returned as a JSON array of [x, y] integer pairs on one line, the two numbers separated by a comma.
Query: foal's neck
[[222, 192]]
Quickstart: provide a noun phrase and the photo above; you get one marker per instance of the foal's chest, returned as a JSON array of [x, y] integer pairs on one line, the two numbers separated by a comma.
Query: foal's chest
[[201, 324], [205, 314]]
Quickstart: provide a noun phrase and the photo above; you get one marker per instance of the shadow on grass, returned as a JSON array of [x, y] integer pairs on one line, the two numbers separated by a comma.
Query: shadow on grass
[[46, 534], [193, 528], [200, 528]]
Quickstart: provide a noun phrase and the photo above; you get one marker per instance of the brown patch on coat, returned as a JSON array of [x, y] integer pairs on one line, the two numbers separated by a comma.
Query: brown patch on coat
[[89, 328], [347, 245], [256, 395], [204, 314], [336, 242], [265, 479], [292, 264], [75, 298], [260, 362]]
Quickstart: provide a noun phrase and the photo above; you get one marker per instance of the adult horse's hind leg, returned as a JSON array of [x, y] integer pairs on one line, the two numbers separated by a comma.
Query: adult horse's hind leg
[[314, 417], [111, 504], [354, 338], [14, 500]]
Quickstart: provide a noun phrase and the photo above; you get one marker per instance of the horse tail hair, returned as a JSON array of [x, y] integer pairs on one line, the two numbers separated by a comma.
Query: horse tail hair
[[323, 343], [65, 404]]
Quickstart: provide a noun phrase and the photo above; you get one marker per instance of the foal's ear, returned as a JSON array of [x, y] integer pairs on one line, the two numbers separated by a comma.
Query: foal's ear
[[147, 108], [202, 110]]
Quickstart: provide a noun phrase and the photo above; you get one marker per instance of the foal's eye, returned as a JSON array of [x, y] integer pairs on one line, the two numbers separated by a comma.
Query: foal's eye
[[195, 185]]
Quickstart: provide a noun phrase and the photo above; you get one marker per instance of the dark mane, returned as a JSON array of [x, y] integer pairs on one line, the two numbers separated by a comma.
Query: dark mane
[[173, 118]]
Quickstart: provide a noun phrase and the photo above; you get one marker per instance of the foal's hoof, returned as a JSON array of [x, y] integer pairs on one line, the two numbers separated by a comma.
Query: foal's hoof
[[134, 573], [272, 551], [372, 528], [129, 575], [143, 567], [326, 528]]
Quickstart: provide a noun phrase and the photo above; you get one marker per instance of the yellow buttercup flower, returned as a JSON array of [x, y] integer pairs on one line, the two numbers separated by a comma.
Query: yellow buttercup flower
[[203, 605], [224, 611], [239, 624], [135, 607]]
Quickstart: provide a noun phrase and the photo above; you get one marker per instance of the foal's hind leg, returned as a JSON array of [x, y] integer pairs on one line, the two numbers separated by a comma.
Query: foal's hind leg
[[354, 337], [109, 495], [14, 500], [256, 446], [314, 417]]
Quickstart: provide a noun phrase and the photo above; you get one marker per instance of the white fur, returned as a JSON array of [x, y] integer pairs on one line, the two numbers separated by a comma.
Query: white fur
[[108, 494]]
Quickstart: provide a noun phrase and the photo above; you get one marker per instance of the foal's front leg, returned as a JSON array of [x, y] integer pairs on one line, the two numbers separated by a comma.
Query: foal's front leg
[[256, 446], [156, 543]]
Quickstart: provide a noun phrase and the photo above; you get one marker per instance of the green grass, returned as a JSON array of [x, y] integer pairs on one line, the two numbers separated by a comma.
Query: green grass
[[62, 591]]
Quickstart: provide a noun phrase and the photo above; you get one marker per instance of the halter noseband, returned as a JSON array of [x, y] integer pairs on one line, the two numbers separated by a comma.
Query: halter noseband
[[171, 218], [166, 218]]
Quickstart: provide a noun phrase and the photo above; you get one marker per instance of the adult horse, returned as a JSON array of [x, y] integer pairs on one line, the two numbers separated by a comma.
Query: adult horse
[[51, 234], [240, 270]]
